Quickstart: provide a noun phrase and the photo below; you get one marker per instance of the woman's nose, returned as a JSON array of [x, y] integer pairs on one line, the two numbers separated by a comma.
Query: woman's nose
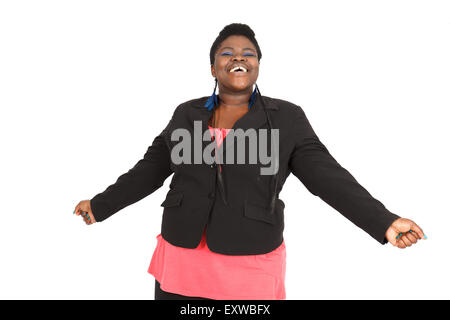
[[238, 57]]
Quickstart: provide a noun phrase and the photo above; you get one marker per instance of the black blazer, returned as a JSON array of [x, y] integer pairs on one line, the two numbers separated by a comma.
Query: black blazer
[[238, 218]]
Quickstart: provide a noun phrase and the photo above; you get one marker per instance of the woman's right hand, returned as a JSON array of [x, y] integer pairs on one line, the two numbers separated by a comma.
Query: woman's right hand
[[83, 209]]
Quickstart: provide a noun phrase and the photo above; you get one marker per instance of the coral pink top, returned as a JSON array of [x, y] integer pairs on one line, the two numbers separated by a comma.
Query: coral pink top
[[201, 272]]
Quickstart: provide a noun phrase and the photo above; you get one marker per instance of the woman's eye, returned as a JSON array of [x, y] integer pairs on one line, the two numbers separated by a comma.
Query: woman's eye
[[227, 53]]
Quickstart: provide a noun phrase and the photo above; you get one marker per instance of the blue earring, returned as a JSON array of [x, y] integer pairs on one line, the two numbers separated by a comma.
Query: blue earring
[[252, 98], [212, 100]]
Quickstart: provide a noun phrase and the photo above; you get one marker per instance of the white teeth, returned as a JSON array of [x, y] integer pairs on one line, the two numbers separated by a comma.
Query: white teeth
[[237, 68]]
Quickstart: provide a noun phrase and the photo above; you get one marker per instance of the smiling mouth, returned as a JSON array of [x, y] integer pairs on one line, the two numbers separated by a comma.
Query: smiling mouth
[[238, 69]]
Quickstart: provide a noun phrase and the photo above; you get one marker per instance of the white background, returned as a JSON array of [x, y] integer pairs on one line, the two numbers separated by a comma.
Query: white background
[[85, 86]]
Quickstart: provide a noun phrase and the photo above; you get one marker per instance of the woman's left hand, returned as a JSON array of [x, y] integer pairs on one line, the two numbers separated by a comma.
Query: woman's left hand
[[404, 233]]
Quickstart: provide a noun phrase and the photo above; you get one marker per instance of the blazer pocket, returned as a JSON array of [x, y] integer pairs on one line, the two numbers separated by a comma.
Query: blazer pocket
[[257, 212], [172, 200]]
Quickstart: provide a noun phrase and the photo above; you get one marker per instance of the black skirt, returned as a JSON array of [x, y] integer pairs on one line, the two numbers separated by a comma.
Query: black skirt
[[164, 295]]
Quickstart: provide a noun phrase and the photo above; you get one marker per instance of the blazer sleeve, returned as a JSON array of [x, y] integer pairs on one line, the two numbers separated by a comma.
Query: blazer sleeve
[[324, 177], [147, 175]]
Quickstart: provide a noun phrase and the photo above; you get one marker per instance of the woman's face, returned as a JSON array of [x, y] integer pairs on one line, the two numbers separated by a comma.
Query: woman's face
[[236, 51]]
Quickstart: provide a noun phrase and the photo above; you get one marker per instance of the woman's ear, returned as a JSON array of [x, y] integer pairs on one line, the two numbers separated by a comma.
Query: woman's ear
[[213, 71]]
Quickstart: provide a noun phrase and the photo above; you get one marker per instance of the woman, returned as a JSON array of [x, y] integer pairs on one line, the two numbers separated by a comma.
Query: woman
[[222, 225]]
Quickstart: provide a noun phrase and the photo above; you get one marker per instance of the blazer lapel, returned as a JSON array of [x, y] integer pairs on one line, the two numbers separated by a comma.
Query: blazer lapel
[[255, 118], [202, 114]]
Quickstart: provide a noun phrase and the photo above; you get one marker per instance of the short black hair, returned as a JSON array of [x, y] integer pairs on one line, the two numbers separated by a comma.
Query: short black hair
[[230, 30]]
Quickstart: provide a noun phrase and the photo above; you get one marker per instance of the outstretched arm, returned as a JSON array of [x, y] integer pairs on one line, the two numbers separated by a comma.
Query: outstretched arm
[[144, 178], [324, 177]]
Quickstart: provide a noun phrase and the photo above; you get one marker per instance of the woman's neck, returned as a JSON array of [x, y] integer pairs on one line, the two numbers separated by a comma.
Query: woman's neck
[[234, 99]]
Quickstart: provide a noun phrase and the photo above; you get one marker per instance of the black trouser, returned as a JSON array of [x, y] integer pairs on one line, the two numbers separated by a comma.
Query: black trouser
[[164, 295]]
